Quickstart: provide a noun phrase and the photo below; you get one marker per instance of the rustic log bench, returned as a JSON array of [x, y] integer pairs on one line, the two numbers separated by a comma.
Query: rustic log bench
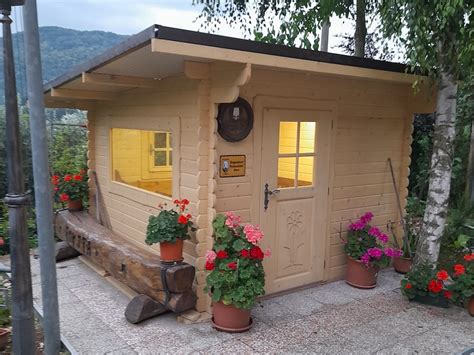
[[160, 287]]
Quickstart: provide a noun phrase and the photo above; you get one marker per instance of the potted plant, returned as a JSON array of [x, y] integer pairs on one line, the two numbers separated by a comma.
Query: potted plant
[[402, 264], [72, 189], [368, 250], [462, 286], [427, 285], [236, 275], [169, 228]]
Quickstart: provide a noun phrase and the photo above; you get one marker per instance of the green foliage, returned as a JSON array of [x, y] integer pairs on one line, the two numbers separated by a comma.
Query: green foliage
[[292, 23], [438, 35], [169, 225], [237, 277], [61, 49], [31, 229]]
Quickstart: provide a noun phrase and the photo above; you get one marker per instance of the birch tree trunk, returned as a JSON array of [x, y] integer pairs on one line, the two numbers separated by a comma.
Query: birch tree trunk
[[434, 220], [361, 30]]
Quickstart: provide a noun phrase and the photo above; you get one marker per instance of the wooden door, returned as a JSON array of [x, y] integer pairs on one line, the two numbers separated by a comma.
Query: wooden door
[[295, 165]]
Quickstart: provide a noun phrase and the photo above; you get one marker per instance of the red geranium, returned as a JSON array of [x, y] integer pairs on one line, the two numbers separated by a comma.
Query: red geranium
[[210, 266], [256, 253], [435, 286], [64, 197], [459, 269], [442, 275], [244, 253], [232, 265], [408, 285], [182, 219], [78, 177], [469, 257], [68, 178], [222, 254], [2, 242], [447, 294]]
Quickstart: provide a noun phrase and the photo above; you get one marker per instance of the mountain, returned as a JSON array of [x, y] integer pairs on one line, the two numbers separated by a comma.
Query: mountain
[[61, 49]]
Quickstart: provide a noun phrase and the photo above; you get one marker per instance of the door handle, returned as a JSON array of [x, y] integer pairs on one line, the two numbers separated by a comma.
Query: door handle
[[267, 194]]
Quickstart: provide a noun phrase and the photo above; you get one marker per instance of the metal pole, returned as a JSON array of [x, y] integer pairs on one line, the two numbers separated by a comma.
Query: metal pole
[[16, 200], [44, 204], [324, 37]]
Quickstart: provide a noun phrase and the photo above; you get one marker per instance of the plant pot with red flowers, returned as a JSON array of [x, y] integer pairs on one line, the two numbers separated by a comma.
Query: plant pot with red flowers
[[462, 285], [368, 250], [169, 228], [71, 189], [428, 286], [236, 275]]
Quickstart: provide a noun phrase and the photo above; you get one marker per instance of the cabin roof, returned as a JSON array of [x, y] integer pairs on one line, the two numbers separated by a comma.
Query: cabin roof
[[159, 52]]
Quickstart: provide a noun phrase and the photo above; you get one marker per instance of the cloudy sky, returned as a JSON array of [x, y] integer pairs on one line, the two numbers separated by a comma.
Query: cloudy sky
[[129, 17]]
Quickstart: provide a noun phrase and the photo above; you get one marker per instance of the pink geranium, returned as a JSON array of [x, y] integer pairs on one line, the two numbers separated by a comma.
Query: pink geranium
[[253, 234], [232, 220], [375, 252], [210, 256]]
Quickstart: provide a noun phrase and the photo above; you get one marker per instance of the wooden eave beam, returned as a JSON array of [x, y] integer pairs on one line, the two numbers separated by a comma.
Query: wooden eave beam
[[117, 80], [83, 94], [232, 55]]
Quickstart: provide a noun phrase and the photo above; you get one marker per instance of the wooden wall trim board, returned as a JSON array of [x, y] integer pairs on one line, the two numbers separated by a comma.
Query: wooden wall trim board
[[232, 55]]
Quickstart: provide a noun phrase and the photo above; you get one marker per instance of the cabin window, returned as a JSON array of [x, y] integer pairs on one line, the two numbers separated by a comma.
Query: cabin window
[[143, 159], [296, 154]]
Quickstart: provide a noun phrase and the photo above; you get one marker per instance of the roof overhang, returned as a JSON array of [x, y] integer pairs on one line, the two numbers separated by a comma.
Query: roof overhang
[[160, 52]]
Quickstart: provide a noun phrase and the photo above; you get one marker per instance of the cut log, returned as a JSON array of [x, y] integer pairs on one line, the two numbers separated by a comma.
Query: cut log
[[143, 307], [64, 251], [137, 268]]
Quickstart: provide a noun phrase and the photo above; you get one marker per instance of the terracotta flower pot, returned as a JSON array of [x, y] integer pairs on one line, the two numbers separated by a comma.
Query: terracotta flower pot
[[171, 252], [4, 335], [75, 205], [470, 306], [360, 276], [402, 265], [230, 319]]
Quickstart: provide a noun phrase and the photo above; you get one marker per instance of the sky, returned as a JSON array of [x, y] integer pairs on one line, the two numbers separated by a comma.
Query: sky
[[129, 17]]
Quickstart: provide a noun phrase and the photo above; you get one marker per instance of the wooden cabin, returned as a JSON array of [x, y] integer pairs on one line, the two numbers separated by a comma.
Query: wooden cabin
[[181, 114]]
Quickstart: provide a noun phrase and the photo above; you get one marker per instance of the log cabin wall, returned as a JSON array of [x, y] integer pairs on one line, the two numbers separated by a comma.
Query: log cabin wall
[[373, 121], [172, 104]]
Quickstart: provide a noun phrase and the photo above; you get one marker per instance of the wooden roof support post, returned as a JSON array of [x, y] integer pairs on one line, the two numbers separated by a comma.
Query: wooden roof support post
[[117, 80]]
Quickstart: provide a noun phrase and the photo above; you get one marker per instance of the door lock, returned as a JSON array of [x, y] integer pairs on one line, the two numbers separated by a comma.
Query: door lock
[[267, 194]]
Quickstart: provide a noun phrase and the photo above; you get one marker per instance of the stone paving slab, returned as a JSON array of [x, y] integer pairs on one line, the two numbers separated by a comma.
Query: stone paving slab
[[328, 319]]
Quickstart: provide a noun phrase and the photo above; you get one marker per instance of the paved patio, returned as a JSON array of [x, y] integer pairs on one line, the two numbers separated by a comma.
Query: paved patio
[[332, 318]]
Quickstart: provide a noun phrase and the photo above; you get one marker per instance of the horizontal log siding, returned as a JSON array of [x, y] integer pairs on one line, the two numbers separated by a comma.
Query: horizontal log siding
[[373, 123], [142, 109]]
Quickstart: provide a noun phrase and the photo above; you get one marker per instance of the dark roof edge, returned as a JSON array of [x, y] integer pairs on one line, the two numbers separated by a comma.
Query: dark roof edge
[[212, 40], [179, 35], [132, 43]]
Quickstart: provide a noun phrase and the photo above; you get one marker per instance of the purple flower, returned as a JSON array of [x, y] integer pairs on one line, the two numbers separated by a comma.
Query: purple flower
[[383, 237], [365, 259], [357, 226], [374, 231], [367, 217], [375, 253], [393, 252]]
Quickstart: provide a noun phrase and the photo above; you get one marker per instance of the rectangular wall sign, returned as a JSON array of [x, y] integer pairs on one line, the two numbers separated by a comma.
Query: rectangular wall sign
[[232, 165]]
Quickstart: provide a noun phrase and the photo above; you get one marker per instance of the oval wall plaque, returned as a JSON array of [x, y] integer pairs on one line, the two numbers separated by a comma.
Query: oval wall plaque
[[235, 120]]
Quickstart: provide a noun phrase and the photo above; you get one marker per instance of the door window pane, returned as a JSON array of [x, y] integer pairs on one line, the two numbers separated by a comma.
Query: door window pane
[[287, 140], [307, 136], [160, 158], [305, 171], [160, 140], [286, 172]]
